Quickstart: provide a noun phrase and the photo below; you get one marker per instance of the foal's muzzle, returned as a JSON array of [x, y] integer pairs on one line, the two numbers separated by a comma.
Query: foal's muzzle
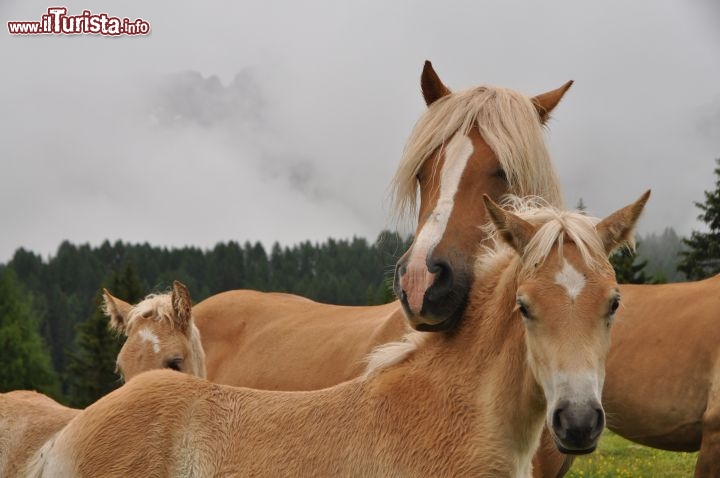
[[577, 427]]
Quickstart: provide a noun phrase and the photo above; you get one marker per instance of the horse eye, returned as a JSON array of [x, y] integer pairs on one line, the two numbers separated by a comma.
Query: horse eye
[[523, 309], [614, 304], [500, 173], [174, 364]]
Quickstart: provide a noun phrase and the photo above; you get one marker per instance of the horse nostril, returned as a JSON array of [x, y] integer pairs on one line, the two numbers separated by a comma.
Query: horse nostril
[[556, 420], [438, 266], [443, 282], [599, 423]]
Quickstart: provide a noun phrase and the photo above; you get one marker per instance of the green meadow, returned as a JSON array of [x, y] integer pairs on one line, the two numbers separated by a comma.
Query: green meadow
[[617, 457]]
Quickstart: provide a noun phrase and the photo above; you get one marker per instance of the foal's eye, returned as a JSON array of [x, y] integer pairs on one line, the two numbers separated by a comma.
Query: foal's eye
[[174, 364], [523, 309], [614, 304]]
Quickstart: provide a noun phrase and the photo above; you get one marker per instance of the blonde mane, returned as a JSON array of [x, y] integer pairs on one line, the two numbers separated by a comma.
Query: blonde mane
[[509, 124], [554, 227], [387, 355]]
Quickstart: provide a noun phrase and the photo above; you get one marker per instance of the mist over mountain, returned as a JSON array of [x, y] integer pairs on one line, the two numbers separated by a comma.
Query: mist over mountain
[[189, 98]]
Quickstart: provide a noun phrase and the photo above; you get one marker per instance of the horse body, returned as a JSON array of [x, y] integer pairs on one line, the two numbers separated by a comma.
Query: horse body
[[268, 340], [470, 402], [665, 395], [219, 431], [349, 431], [27, 420]]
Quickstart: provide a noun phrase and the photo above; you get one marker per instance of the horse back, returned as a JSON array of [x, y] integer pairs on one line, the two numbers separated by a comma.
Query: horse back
[[682, 318], [285, 342]]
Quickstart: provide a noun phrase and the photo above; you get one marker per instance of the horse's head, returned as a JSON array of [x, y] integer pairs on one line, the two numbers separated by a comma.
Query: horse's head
[[566, 296], [484, 140], [160, 333]]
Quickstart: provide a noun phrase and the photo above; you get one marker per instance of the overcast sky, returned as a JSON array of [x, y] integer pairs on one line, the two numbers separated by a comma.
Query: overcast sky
[[300, 132]]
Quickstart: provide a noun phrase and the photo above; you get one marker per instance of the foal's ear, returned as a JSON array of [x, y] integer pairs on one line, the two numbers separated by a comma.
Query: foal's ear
[[182, 305], [618, 228], [117, 310], [546, 102], [432, 88], [513, 230]]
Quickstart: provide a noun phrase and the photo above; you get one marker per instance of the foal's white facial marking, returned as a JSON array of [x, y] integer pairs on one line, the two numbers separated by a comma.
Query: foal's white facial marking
[[571, 279], [417, 277], [149, 336]]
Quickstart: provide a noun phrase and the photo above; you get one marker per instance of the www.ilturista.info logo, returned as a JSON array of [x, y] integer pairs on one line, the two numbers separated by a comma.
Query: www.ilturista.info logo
[[58, 22]]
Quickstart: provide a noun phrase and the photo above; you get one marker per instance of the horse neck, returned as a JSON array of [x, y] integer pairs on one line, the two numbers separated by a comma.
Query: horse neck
[[494, 343]]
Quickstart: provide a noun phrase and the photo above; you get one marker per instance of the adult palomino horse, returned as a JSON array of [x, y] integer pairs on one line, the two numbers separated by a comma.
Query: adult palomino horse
[[484, 140], [663, 370], [27, 420], [469, 402]]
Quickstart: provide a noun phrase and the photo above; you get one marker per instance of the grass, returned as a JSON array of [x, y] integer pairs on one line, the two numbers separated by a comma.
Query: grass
[[617, 457]]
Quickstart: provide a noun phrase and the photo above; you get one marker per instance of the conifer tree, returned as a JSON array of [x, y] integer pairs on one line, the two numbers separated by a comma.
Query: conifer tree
[[23, 354], [91, 366], [702, 258], [581, 205], [627, 271]]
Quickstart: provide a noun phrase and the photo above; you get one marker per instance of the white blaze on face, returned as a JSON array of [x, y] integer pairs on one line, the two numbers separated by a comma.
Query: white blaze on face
[[417, 278], [577, 388], [572, 280], [149, 336]]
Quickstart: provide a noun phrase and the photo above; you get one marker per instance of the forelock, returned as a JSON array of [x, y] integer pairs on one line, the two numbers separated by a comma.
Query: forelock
[[509, 124], [156, 307], [555, 227]]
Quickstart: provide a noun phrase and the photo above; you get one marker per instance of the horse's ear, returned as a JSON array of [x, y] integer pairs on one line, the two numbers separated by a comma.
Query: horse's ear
[[432, 88], [513, 230], [546, 102], [117, 310], [182, 305], [618, 228]]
